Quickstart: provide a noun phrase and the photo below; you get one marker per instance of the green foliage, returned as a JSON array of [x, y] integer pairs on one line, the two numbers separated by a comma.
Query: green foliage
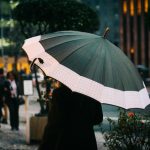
[[43, 16], [130, 132], [5, 8], [10, 29], [14, 34]]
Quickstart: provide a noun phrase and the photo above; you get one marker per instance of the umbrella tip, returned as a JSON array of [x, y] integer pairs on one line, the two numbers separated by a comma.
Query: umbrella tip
[[106, 32]]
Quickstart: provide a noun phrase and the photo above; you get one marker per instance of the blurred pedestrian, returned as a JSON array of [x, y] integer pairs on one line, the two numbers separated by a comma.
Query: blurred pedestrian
[[12, 100], [1, 92], [3, 116], [70, 121]]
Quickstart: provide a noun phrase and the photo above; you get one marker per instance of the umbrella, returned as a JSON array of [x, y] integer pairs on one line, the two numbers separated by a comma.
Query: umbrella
[[89, 64]]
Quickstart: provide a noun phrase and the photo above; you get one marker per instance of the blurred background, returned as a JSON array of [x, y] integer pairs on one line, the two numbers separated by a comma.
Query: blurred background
[[128, 20]]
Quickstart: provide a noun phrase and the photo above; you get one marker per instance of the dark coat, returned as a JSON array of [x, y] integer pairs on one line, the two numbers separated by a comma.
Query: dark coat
[[2, 88], [70, 122]]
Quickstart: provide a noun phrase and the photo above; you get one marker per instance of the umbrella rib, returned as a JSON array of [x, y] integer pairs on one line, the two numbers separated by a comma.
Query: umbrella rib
[[99, 48], [109, 67], [137, 75], [104, 62], [100, 53], [117, 71], [92, 57], [77, 49]]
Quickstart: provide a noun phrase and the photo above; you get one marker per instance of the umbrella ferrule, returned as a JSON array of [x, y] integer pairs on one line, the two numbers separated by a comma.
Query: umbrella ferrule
[[106, 32]]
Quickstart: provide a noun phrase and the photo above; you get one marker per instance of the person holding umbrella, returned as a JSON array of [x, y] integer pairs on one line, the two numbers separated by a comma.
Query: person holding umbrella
[[70, 121], [91, 65]]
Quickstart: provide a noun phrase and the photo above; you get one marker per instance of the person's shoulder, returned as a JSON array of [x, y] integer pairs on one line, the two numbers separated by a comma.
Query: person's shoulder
[[2, 79], [62, 92], [57, 91], [80, 96], [62, 89], [7, 82]]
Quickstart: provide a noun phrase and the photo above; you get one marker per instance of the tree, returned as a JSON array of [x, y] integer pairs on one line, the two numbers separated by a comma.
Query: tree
[[10, 31], [43, 16]]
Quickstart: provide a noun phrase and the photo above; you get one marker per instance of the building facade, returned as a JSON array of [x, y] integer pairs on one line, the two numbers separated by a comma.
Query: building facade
[[134, 31]]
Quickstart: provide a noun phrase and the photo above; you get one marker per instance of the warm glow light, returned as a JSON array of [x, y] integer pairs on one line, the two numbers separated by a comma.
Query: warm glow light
[[18, 66], [22, 64], [132, 50], [146, 6], [9, 67], [131, 7], [1, 65], [139, 6], [124, 7]]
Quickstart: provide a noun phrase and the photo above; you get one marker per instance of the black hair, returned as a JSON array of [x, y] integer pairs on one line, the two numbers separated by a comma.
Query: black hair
[[10, 72]]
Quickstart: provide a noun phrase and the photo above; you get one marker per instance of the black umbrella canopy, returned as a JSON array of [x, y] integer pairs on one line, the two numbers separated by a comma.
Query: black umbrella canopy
[[93, 57], [89, 64]]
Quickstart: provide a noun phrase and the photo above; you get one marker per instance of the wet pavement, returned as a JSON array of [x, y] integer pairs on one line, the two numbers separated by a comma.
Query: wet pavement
[[15, 140]]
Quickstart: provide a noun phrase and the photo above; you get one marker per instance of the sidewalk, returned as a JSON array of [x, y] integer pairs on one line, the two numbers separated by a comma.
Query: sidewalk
[[15, 140]]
